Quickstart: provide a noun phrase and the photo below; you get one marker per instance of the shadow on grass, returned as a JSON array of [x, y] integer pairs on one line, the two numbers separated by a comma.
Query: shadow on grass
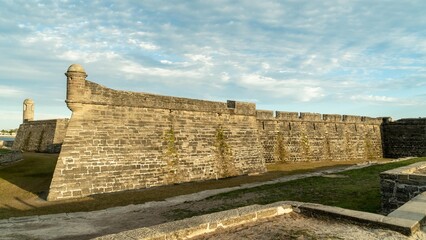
[[359, 190], [34, 174]]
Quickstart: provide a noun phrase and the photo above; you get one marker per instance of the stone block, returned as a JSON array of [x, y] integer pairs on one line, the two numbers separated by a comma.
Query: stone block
[[264, 114], [287, 115], [267, 213]]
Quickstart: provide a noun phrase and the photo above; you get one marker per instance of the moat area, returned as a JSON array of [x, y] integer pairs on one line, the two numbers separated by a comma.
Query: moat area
[[234, 192]]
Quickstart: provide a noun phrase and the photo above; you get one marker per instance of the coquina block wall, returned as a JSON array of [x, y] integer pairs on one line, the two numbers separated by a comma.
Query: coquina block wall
[[404, 138], [120, 140], [41, 136], [290, 137], [400, 185]]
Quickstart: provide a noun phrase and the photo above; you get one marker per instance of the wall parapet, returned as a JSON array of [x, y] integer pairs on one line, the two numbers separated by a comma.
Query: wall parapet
[[287, 115], [332, 117], [100, 95], [407, 121], [315, 117], [264, 114]]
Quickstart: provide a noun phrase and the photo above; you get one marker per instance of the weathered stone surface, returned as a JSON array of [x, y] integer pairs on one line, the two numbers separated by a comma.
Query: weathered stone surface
[[415, 209], [119, 140], [10, 157], [402, 225], [404, 138], [398, 186], [310, 137], [195, 226], [41, 136]]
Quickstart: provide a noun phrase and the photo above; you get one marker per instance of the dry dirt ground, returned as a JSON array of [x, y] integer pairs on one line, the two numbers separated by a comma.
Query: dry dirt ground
[[299, 227]]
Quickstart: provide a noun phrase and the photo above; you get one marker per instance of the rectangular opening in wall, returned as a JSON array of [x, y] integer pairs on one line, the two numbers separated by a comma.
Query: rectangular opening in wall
[[231, 104]]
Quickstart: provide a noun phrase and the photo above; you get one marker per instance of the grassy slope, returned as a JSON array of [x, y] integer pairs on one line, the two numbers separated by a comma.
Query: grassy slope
[[25, 180], [2, 150], [22, 184], [359, 190]]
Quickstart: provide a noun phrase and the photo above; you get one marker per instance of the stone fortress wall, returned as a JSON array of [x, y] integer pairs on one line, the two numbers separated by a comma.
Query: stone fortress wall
[[292, 136], [119, 140], [40, 135], [404, 138]]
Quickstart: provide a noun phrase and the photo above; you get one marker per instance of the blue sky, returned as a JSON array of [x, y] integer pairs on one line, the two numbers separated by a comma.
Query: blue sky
[[345, 57]]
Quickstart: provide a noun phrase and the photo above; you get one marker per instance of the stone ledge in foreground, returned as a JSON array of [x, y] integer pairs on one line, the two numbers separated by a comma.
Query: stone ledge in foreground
[[203, 224], [404, 226]]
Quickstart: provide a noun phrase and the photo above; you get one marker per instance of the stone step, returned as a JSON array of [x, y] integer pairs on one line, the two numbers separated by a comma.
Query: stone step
[[415, 209]]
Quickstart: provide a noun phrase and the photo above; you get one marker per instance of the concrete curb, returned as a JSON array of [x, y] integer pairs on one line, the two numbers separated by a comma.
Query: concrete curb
[[401, 225], [415, 209], [195, 226]]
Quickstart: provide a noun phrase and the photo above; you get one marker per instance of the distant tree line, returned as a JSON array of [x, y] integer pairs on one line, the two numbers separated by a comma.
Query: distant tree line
[[8, 132]]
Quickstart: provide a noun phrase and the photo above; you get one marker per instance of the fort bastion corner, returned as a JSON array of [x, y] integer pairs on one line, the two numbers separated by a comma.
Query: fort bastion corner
[[120, 140]]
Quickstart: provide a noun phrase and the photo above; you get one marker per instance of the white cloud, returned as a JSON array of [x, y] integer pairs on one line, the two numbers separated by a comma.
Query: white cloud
[[304, 91], [206, 60], [11, 116], [143, 45], [372, 99], [43, 116], [166, 62], [282, 51], [224, 76], [6, 91], [135, 68], [266, 66], [88, 57]]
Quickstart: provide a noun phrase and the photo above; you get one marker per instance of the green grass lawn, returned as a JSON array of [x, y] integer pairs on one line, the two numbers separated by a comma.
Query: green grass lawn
[[2, 150], [357, 189], [24, 185]]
